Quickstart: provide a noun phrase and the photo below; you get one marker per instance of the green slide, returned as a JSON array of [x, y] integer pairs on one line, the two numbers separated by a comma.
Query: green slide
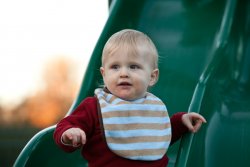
[[223, 97], [204, 66]]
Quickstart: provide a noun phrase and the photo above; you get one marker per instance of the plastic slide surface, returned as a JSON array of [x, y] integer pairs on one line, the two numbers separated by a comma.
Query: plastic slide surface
[[204, 67], [223, 97]]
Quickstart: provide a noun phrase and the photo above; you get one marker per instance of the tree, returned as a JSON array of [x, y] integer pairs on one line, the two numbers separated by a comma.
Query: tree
[[53, 101]]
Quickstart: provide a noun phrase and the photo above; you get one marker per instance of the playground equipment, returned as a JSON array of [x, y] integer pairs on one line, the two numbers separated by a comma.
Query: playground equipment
[[204, 48]]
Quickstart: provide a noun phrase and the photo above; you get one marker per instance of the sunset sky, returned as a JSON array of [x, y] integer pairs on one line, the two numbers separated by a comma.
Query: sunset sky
[[32, 32]]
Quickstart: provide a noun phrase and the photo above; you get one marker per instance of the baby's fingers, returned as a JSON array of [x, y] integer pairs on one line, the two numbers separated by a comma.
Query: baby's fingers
[[197, 125], [83, 137], [193, 121], [75, 141], [67, 137]]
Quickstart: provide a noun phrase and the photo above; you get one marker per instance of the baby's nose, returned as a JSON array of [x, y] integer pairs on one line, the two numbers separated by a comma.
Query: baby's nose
[[124, 72]]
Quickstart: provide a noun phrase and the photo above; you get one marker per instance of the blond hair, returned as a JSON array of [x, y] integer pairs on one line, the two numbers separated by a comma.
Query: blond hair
[[134, 42]]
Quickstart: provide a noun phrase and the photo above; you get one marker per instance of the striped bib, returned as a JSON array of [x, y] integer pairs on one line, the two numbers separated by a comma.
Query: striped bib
[[137, 130]]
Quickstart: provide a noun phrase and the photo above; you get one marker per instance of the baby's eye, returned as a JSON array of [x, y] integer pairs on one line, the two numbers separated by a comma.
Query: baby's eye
[[115, 67], [134, 66]]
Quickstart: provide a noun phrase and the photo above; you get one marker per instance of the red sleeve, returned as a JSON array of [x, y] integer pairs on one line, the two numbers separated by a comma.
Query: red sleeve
[[178, 128], [82, 117]]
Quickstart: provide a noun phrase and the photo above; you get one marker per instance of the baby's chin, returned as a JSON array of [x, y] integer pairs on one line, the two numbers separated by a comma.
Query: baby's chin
[[128, 95]]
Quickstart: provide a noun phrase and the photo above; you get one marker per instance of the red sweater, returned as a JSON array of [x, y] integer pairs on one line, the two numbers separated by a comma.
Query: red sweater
[[96, 151]]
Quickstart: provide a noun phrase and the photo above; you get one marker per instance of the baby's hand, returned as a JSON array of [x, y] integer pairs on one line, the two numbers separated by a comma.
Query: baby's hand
[[193, 121], [74, 136]]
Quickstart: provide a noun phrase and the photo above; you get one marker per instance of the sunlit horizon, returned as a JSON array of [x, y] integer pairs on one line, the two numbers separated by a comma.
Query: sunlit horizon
[[33, 32]]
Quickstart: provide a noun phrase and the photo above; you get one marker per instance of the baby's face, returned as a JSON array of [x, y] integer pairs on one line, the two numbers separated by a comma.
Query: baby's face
[[128, 76]]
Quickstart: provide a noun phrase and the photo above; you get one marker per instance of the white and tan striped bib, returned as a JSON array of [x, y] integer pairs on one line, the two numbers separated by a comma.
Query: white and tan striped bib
[[137, 130]]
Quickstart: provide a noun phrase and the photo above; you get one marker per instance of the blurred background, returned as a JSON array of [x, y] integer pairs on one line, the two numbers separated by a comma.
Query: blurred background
[[45, 47]]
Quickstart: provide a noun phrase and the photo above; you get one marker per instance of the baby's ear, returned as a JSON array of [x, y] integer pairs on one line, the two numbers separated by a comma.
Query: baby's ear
[[102, 71], [154, 77]]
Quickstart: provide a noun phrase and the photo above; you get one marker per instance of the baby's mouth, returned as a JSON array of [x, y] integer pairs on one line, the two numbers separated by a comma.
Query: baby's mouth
[[124, 84]]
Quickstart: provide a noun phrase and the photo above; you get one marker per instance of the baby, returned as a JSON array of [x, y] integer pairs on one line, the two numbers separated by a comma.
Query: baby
[[123, 124]]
